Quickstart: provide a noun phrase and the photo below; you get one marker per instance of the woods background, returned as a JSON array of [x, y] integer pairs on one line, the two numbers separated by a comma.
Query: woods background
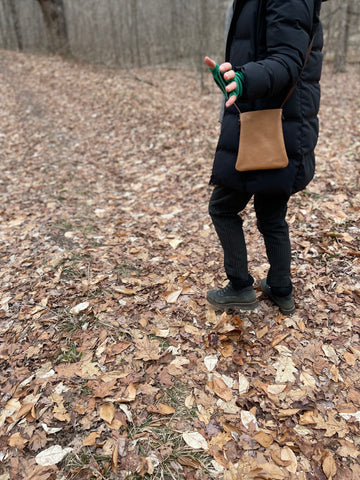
[[138, 33]]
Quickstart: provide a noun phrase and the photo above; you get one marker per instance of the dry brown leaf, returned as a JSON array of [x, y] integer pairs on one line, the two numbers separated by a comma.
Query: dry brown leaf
[[264, 439], [189, 461], [90, 440], [117, 348], [275, 389], [219, 387], [126, 291], [147, 349], [350, 359], [107, 412], [115, 458], [331, 426], [221, 439], [17, 441], [172, 297], [161, 409], [334, 373], [268, 471], [279, 339], [195, 440], [348, 449], [261, 333], [244, 384], [288, 412], [192, 330], [308, 418], [175, 370], [24, 410], [355, 351], [329, 466], [89, 369], [223, 320], [285, 369], [288, 455], [129, 395]]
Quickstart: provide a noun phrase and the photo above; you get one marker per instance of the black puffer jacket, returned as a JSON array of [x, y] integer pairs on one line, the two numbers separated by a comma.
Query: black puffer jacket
[[267, 42]]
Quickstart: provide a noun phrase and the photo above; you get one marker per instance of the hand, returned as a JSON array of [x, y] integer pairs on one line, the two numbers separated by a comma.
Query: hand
[[228, 74]]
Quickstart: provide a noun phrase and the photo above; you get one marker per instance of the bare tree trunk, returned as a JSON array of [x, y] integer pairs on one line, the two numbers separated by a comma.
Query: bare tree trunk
[[17, 29], [174, 28], [347, 30], [54, 17], [135, 32], [343, 37], [202, 40], [115, 36]]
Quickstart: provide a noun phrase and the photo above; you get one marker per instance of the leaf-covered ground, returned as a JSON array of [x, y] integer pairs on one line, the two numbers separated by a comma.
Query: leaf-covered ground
[[112, 364]]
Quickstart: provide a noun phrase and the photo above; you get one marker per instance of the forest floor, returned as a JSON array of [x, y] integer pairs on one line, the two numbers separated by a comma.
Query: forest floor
[[112, 363]]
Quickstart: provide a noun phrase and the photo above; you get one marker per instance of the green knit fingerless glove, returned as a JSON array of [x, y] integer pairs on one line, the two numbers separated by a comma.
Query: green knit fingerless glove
[[222, 83]]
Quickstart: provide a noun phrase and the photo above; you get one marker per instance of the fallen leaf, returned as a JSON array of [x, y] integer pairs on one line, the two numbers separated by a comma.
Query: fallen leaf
[[211, 362], [248, 418], [288, 455], [52, 455], [350, 359], [79, 308], [275, 389], [329, 466], [161, 409], [244, 384], [220, 388], [90, 440], [195, 440], [264, 439], [129, 395], [107, 412], [285, 370], [172, 297], [261, 333], [147, 349], [17, 441]]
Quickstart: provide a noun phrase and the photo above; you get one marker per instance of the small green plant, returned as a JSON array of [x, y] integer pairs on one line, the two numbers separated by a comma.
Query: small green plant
[[87, 465], [124, 269], [69, 323], [85, 391], [71, 356]]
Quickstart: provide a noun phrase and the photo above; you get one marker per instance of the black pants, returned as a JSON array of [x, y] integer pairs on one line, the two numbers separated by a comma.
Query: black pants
[[224, 207]]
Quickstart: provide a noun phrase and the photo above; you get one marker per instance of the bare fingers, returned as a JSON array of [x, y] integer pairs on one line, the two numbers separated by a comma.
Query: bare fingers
[[225, 67], [231, 101], [231, 87], [210, 62]]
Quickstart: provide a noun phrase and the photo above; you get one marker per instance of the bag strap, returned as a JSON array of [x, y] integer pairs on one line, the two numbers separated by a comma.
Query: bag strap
[[298, 78], [303, 68]]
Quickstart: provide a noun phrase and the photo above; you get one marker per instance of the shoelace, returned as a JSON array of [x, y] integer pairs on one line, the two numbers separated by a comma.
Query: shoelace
[[226, 290]]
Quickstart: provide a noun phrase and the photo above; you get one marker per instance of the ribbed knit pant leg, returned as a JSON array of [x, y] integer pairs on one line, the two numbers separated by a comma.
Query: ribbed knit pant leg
[[224, 206], [271, 220]]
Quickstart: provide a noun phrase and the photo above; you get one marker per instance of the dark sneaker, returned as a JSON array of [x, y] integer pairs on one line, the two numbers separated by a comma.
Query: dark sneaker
[[286, 304], [229, 298]]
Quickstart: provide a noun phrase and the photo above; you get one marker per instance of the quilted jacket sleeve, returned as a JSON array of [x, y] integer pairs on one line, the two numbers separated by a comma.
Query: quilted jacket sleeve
[[288, 26]]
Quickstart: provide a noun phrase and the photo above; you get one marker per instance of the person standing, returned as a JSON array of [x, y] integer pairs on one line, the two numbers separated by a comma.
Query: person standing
[[266, 54]]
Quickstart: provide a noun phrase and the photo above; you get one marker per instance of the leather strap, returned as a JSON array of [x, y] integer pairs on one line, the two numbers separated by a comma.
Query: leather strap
[[303, 68]]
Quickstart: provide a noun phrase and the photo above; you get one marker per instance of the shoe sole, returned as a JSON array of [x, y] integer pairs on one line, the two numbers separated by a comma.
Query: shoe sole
[[266, 289], [234, 306]]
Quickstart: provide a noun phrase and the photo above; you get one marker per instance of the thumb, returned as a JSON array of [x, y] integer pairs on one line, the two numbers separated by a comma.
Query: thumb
[[209, 62]]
